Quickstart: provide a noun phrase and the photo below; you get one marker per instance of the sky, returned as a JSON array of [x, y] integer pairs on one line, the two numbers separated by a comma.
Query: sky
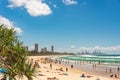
[[69, 25]]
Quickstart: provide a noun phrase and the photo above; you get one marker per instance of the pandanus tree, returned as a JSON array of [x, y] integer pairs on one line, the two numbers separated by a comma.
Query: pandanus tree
[[13, 56]]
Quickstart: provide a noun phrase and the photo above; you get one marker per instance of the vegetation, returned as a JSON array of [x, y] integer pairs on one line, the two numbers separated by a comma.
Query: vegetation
[[13, 56], [32, 53]]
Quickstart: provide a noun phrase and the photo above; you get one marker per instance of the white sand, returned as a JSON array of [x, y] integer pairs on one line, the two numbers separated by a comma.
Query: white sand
[[45, 72], [73, 74]]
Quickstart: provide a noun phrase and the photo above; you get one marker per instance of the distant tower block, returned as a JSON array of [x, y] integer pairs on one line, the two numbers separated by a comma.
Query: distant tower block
[[44, 50], [36, 48], [52, 49]]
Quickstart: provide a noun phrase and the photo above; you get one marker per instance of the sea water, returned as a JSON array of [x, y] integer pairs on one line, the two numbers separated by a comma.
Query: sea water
[[109, 60], [97, 64]]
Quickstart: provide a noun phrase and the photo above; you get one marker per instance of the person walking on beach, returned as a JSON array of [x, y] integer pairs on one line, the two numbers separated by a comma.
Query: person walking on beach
[[110, 70], [118, 69], [72, 66], [51, 65], [66, 69], [59, 61]]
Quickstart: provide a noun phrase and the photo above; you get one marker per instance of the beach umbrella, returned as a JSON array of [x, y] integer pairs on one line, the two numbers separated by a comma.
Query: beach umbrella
[[3, 70]]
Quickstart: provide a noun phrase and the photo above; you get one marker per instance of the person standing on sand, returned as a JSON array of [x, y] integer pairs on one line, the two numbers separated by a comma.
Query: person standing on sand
[[51, 65], [66, 69], [59, 62], [72, 66], [110, 70], [118, 69]]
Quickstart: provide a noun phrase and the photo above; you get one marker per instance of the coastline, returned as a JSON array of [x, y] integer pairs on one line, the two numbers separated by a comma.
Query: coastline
[[72, 74]]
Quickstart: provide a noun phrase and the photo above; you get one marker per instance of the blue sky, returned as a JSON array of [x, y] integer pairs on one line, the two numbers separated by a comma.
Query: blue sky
[[69, 25]]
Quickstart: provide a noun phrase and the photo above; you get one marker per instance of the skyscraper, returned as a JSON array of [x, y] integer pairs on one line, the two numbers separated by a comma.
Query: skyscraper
[[52, 49], [44, 50], [36, 48]]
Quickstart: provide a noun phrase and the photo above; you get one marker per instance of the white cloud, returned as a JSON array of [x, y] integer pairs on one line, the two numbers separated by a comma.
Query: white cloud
[[55, 6], [50, 2], [69, 2], [9, 24], [108, 50], [74, 49], [33, 7], [72, 46], [16, 3], [36, 8]]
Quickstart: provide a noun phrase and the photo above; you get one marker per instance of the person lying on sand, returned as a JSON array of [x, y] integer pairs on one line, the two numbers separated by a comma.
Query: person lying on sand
[[88, 76], [60, 69], [83, 75], [113, 75], [54, 78], [63, 74], [41, 75]]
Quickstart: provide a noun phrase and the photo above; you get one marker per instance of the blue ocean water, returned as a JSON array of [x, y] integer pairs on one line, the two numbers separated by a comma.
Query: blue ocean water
[[96, 64], [94, 58]]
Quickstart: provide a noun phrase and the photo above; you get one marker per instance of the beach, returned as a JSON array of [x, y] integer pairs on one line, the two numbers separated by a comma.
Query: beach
[[45, 71]]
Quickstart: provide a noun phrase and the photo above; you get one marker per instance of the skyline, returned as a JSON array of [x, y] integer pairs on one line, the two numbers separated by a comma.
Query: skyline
[[69, 25]]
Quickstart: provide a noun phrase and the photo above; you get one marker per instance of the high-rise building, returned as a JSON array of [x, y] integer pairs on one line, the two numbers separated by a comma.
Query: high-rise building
[[44, 50], [52, 49], [36, 48]]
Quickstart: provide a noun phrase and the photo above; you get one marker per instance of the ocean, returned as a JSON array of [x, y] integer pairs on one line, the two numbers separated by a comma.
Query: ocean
[[94, 58], [93, 64], [109, 60]]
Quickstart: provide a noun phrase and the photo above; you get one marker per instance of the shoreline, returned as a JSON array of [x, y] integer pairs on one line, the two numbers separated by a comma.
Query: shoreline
[[93, 68], [75, 72]]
